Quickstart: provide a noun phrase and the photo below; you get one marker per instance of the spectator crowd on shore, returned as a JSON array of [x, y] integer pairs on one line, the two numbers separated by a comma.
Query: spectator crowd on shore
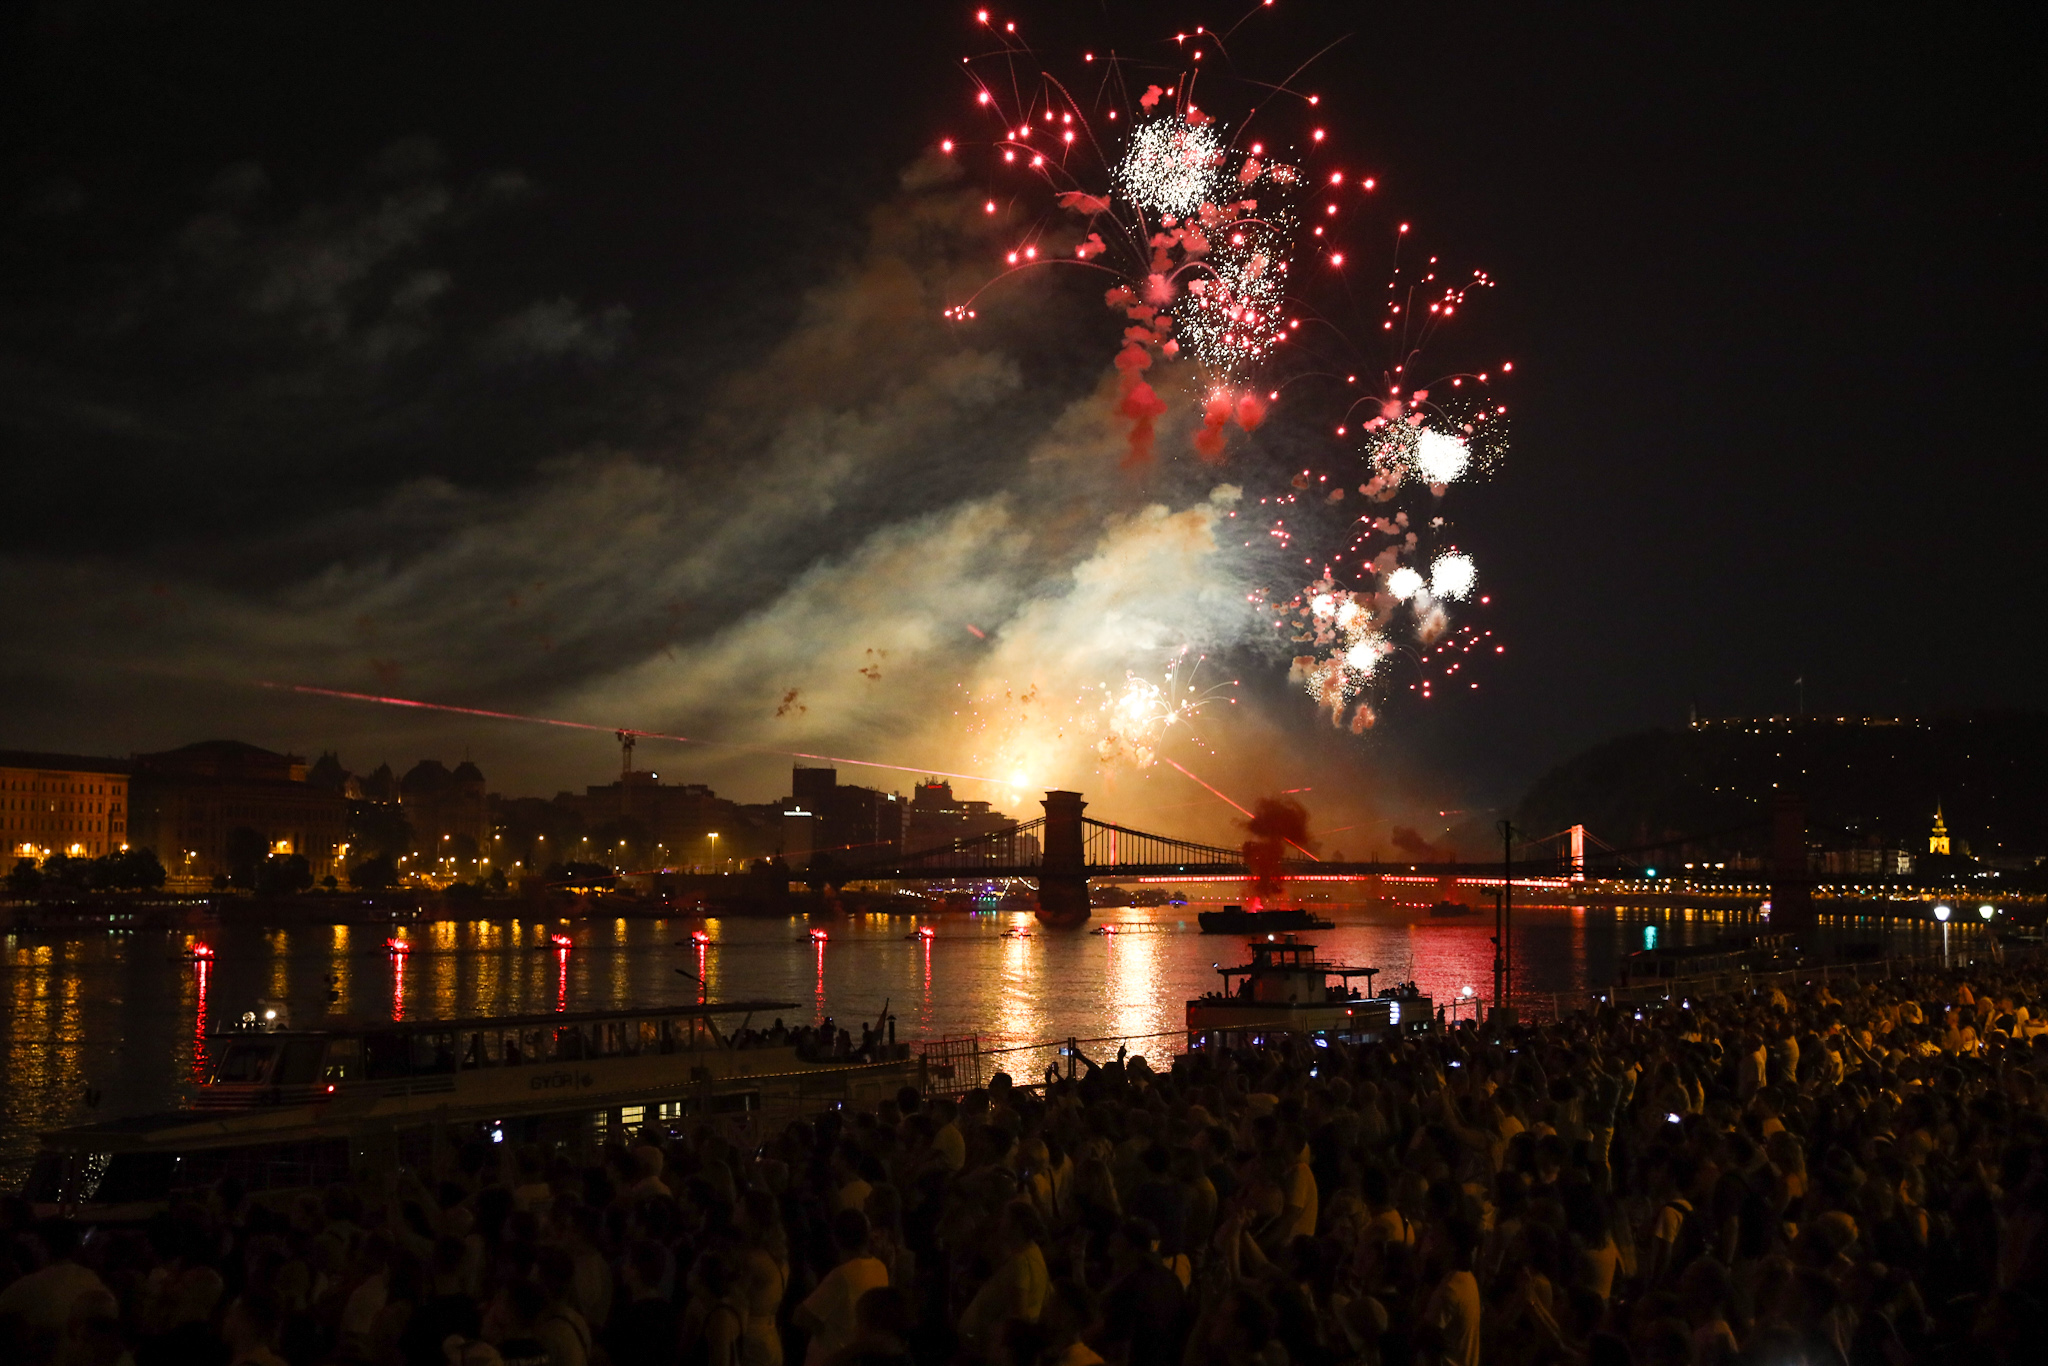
[[1845, 1174]]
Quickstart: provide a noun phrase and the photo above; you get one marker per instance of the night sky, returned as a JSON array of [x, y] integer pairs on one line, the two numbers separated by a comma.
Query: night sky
[[546, 360]]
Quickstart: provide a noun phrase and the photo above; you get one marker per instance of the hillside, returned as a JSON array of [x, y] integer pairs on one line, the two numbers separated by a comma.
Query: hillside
[[1866, 782]]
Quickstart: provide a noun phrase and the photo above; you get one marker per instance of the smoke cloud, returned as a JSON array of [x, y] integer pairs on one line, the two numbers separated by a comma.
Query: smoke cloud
[[1279, 830], [877, 485]]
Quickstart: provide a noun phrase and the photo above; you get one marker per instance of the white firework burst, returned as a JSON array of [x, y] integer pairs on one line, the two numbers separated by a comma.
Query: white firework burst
[[1171, 165]]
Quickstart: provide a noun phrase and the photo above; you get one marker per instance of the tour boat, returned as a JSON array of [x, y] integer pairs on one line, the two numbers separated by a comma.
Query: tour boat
[[1286, 989], [290, 1109], [1238, 920]]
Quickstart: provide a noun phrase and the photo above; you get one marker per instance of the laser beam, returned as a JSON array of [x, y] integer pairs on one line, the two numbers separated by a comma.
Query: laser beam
[[309, 690]]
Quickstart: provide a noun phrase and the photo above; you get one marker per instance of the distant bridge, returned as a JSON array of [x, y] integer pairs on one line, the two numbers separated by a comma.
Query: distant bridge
[[1116, 852], [1062, 850]]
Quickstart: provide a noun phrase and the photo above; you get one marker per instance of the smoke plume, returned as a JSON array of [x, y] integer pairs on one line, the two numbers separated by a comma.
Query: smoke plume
[[1278, 827]]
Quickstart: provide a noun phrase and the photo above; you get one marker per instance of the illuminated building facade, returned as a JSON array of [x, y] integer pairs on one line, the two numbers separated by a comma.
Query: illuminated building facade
[[65, 804]]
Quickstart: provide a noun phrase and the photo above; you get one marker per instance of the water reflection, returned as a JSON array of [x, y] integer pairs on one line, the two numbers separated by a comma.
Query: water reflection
[[130, 1014]]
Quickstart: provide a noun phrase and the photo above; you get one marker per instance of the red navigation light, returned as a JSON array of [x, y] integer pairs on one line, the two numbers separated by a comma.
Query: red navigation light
[[399, 947], [926, 932], [700, 937], [560, 941], [819, 936], [202, 950]]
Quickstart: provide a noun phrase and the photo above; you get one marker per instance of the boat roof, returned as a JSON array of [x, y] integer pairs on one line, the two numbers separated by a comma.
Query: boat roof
[[1262, 951], [356, 1024]]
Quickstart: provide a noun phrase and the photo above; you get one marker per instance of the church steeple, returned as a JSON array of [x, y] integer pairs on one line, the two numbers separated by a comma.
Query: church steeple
[[1937, 841]]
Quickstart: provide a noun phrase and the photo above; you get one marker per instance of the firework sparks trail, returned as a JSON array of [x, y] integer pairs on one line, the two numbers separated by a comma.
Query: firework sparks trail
[[1025, 730], [1139, 715], [1396, 574], [1220, 221], [308, 690], [1194, 218]]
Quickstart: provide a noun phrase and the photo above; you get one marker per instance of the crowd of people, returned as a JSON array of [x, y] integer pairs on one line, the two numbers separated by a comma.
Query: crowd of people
[[1838, 1175]]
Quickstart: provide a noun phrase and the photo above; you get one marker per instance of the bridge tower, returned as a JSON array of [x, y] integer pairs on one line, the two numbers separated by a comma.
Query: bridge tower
[[1578, 853], [1063, 871]]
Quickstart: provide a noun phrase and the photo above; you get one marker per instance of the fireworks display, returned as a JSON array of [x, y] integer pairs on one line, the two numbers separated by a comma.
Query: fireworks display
[[1138, 716], [1026, 733], [1212, 201], [1190, 212]]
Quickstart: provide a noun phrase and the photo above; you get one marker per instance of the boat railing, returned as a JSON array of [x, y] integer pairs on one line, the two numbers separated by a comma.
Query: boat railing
[[1027, 1063]]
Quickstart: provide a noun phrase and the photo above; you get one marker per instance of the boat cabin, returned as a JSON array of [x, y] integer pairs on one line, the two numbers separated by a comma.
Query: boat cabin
[[267, 1063], [1286, 989], [1285, 971]]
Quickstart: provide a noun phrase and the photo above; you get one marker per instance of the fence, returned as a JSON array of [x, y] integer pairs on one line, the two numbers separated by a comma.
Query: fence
[[958, 1065], [951, 1066]]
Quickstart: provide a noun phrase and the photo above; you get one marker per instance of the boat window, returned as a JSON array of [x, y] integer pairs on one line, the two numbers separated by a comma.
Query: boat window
[[650, 1036], [244, 1064], [573, 1042], [483, 1048], [535, 1045], [621, 1038], [344, 1059], [301, 1065], [433, 1053], [387, 1056]]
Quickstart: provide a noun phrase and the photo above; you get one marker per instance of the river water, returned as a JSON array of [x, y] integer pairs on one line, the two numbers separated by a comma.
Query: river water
[[123, 1013]]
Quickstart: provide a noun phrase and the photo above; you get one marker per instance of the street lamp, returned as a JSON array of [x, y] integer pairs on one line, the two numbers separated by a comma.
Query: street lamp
[[1987, 911], [1941, 912]]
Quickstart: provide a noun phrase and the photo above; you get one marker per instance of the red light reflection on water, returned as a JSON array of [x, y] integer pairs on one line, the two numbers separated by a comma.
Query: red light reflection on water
[[398, 961], [817, 937], [703, 952], [202, 972], [561, 977]]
